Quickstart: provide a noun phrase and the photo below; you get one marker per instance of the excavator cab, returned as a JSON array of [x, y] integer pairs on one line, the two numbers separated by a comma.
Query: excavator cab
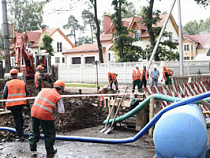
[[44, 60]]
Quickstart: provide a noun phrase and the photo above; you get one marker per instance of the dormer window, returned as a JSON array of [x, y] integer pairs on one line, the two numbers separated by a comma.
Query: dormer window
[[137, 33]]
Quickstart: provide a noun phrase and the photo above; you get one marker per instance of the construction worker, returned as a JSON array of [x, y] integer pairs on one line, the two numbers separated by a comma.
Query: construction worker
[[155, 74], [144, 76], [166, 73], [47, 101], [43, 62], [14, 89], [136, 78], [38, 78], [112, 77]]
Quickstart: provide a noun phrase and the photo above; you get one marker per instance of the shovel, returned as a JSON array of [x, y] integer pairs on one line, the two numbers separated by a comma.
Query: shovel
[[108, 117], [118, 107]]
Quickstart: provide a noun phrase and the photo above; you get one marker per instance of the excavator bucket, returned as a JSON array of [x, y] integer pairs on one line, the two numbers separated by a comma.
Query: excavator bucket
[[20, 76]]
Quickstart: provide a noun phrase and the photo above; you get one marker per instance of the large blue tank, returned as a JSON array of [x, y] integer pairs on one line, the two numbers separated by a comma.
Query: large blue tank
[[181, 133]]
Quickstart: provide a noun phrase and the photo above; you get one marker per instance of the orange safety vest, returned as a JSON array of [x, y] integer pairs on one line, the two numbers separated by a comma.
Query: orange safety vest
[[112, 77], [136, 76], [43, 62], [146, 74], [36, 80], [45, 104], [16, 89], [169, 73]]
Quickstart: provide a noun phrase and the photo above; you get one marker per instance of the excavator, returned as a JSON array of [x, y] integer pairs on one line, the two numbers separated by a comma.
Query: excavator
[[26, 64]]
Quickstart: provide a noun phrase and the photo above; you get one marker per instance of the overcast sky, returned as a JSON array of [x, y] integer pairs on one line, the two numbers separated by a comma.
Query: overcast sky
[[54, 18]]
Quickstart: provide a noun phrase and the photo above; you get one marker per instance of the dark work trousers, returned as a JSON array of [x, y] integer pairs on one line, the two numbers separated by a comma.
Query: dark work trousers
[[137, 83], [18, 118], [116, 85], [48, 128], [143, 82]]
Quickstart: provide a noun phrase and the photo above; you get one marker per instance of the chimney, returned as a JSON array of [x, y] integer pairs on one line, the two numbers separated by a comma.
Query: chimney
[[107, 23]]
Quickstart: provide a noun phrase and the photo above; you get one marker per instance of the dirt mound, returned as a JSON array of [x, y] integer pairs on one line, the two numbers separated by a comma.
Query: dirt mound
[[79, 114]]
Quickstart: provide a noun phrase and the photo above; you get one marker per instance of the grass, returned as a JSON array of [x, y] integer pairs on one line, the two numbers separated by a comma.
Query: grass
[[82, 85]]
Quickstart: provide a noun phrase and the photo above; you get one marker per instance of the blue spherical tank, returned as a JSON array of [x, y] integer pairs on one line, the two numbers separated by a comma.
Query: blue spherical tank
[[181, 132]]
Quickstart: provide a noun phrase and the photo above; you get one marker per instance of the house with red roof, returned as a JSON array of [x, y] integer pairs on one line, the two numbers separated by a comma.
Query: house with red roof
[[196, 47], [107, 39], [33, 39]]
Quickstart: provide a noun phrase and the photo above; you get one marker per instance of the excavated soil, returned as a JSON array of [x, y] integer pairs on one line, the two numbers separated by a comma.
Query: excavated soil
[[79, 114]]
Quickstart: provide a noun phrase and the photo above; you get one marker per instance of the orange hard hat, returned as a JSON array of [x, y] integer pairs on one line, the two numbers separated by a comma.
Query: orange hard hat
[[163, 66], [13, 71], [60, 83], [109, 73], [39, 67]]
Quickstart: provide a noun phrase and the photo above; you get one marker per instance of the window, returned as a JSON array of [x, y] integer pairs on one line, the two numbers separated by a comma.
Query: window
[[186, 58], [191, 58], [137, 33], [57, 59], [89, 60], [191, 47], [59, 46], [63, 59], [186, 47], [109, 56], [76, 60], [170, 36]]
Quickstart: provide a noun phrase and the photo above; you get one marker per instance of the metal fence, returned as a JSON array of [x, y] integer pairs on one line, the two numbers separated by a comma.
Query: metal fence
[[87, 73]]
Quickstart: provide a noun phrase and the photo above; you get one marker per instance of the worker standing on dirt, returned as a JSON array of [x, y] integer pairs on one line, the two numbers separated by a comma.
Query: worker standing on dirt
[[136, 78], [38, 78], [112, 77], [155, 74], [144, 76], [14, 89], [47, 101], [166, 73]]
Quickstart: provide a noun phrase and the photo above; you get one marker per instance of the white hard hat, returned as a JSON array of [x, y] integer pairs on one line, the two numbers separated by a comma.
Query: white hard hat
[[136, 65], [155, 66]]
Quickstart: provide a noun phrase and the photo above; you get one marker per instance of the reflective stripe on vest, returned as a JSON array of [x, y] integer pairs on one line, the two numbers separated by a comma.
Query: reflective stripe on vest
[[16, 89], [135, 75], [45, 104]]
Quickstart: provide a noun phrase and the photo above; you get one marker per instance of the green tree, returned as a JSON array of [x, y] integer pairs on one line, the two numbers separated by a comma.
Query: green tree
[[98, 31], [46, 43], [191, 28], [123, 43], [84, 40], [88, 19], [74, 25], [129, 10], [26, 14]]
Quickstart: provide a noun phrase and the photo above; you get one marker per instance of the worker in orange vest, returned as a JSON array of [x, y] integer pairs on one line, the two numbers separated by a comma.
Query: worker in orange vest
[[166, 73], [38, 78], [14, 89], [46, 103], [43, 62], [144, 76], [101, 98], [136, 78], [112, 77]]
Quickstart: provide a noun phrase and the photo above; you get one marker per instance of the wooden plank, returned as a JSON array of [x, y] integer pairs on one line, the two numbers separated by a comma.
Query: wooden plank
[[5, 112], [151, 114]]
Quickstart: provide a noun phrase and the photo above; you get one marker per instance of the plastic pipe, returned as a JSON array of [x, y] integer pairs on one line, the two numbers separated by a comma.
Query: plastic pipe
[[138, 135], [144, 103]]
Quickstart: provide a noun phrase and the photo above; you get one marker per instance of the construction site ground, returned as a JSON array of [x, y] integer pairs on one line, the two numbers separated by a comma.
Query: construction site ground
[[81, 119]]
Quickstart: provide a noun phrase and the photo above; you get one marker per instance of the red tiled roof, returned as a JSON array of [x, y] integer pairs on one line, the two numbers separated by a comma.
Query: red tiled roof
[[34, 38], [83, 48], [203, 40]]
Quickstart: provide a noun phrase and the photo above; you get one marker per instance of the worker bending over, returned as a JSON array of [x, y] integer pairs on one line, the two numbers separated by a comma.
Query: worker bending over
[[112, 77], [166, 73], [136, 78], [38, 78], [14, 89], [46, 103]]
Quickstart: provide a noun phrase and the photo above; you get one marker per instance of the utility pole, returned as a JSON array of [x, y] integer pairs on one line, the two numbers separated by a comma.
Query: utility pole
[[180, 39], [5, 36]]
